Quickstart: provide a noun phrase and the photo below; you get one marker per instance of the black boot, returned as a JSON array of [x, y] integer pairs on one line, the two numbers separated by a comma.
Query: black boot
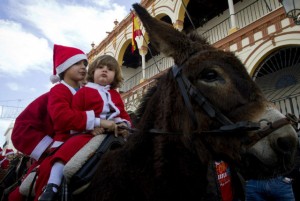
[[48, 194]]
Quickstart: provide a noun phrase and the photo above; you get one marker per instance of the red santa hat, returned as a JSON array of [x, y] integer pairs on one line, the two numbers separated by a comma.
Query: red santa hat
[[1, 151], [4, 163], [9, 152], [63, 58]]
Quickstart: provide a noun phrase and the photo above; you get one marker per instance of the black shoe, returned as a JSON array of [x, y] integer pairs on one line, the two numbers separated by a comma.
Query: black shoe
[[48, 193]]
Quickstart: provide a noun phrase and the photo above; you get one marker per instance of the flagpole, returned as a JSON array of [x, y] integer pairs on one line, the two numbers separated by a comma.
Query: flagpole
[[136, 31]]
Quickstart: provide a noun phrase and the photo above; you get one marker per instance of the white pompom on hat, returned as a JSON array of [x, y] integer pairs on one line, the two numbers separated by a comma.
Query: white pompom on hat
[[63, 58]]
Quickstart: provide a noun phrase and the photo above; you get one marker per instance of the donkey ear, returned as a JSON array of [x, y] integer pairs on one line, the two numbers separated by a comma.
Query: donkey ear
[[165, 37]]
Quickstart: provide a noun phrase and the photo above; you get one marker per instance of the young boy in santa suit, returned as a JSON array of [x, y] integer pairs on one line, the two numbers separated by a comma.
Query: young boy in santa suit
[[99, 95], [34, 132], [69, 68]]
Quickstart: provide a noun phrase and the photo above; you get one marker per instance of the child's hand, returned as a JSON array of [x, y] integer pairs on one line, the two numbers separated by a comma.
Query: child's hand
[[97, 131], [109, 125], [122, 130]]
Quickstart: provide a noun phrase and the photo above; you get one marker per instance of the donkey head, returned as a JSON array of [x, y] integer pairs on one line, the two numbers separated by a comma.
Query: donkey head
[[217, 91]]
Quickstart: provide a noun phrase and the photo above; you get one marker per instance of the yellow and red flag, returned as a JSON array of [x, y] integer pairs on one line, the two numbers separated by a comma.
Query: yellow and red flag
[[136, 31]]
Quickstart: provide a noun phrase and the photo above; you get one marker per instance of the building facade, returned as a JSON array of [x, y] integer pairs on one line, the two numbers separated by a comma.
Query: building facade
[[257, 31]]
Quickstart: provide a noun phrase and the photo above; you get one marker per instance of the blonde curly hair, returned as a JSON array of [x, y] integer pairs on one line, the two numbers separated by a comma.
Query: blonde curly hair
[[110, 62]]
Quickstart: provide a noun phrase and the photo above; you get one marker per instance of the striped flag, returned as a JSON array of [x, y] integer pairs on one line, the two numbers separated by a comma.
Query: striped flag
[[136, 31]]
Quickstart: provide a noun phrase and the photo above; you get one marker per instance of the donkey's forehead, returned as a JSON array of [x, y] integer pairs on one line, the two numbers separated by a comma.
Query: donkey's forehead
[[213, 58]]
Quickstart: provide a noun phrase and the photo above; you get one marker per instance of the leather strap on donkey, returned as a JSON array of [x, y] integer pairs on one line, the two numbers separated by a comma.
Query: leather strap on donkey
[[81, 179]]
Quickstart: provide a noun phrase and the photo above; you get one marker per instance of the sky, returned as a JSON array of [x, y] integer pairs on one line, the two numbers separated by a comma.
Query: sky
[[28, 30]]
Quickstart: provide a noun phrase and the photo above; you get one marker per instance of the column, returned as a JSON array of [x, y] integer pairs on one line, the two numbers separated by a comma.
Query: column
[[232, 17], [143, 51], [178, 25]]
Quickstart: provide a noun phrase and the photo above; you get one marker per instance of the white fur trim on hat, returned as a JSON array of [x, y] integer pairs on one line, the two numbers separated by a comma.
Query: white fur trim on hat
[[54, 79], [69, 62]]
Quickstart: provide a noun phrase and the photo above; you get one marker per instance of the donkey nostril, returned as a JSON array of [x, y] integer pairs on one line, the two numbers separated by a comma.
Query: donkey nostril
[[284, 144]]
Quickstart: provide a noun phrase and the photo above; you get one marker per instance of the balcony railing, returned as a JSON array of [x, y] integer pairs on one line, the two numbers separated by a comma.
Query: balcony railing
[[151, 70], [10, 112], [244, 17]]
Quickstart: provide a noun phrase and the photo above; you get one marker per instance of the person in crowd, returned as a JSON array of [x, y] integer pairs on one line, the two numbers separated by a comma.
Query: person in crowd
[[9, 153], [3, 160], [101, 96], [277, 188], [295, 174], [2, 171], [8, 156]]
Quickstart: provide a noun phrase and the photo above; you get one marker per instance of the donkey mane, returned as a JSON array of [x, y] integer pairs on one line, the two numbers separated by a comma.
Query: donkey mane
[[196, 37], [144, 102]]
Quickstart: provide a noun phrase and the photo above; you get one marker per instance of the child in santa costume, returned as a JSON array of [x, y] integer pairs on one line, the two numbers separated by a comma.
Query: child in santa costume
[[69, 68], [99, 95]]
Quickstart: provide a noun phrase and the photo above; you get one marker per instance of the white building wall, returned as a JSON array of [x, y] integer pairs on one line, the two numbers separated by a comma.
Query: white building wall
[[7, 136]]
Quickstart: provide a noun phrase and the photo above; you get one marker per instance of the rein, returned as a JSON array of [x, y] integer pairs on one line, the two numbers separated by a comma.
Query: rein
[[239, 126]]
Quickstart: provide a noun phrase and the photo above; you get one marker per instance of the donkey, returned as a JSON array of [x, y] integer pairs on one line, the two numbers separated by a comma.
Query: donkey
[[205, 108]]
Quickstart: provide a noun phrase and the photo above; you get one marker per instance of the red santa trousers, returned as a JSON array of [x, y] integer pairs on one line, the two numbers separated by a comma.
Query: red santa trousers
[[64, 153], [15, 195]]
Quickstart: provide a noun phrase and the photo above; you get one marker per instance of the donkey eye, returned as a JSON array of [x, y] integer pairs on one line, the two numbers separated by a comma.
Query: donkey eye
[[209, 76]]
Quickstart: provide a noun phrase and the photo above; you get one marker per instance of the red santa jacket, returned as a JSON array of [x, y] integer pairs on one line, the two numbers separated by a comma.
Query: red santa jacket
[[33, 128], [63, 116], [105, 102]]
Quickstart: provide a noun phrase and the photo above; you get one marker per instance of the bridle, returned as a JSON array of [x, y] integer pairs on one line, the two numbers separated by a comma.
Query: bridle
[[189, 91]]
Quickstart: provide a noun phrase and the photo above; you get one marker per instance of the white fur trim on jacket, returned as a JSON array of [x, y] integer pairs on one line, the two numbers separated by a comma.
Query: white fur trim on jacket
[[41, 147]]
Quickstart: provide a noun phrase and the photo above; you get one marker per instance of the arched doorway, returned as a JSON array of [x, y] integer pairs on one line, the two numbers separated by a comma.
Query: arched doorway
[[278, 76]]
